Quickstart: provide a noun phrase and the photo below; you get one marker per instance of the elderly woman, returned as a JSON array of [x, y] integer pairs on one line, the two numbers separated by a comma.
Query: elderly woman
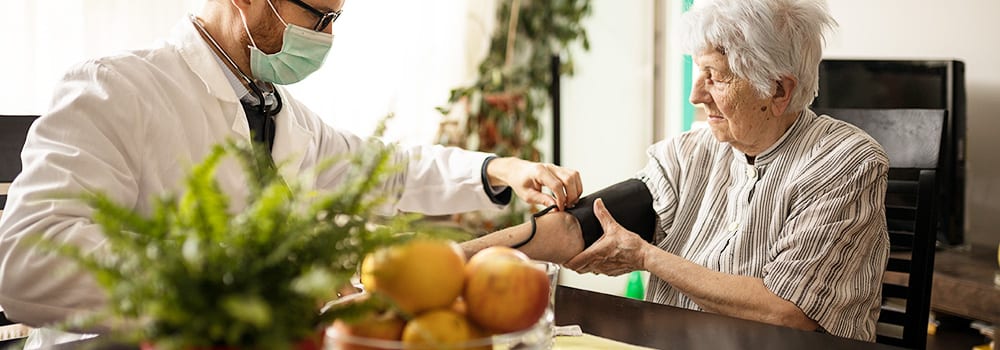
[[771, 214]]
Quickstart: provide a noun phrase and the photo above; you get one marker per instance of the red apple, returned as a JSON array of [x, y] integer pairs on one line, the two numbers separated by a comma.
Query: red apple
[[504, 292], [494, 253]]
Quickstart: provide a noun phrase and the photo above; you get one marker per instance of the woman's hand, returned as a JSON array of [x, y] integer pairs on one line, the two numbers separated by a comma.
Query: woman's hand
[[617, 252]]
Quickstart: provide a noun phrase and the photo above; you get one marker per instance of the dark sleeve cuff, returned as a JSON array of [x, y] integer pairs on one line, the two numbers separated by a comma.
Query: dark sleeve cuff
[[502, 197], [629, 202]]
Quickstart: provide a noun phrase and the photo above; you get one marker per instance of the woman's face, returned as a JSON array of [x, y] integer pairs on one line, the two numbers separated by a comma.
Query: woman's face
[[736, 114]]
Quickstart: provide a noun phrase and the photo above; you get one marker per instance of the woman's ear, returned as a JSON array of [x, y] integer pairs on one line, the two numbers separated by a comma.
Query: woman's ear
[[783, 95]]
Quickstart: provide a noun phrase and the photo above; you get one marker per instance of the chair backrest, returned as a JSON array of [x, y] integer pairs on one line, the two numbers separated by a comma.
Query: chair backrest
[[912, 140], [13, 130]]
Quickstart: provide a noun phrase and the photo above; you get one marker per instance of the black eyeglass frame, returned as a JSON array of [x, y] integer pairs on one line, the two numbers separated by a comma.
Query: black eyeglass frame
[[325, 18]]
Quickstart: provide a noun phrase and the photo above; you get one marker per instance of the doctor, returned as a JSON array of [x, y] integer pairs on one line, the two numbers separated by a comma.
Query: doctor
[[130, 124]]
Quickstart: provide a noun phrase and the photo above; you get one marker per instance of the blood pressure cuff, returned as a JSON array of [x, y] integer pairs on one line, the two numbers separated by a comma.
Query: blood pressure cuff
[[630, 204]]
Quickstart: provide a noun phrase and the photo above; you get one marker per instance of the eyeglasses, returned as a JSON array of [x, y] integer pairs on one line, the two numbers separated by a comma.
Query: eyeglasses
[[325, 18]]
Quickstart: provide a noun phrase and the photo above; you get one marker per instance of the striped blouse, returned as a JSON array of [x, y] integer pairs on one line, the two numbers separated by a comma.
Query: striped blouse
[[807, 217]]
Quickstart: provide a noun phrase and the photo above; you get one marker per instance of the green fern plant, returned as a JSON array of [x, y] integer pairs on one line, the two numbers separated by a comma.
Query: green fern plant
[[192, 274]]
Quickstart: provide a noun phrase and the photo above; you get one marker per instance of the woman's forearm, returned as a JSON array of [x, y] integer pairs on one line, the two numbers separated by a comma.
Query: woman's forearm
[[557, 238], [733, 295]]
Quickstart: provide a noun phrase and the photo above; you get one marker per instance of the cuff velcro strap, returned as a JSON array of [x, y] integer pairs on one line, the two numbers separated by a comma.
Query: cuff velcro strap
[[630, 204]]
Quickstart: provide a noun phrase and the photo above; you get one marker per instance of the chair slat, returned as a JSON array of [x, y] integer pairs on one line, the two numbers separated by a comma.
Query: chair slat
[[898, 265], [892, 317], [900, 199], [900, 225], [896, 185], [901, 213], [901, 239], [894, 291]]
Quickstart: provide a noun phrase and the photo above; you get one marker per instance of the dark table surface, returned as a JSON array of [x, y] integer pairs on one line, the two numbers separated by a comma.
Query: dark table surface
[[652, 325], [666, 327]]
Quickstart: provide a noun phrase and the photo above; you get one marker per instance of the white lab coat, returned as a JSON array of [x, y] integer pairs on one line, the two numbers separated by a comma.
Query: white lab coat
[[130, 125]]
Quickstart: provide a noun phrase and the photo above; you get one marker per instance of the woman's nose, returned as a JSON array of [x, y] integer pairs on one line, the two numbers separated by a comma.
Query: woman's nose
[[699, 94]]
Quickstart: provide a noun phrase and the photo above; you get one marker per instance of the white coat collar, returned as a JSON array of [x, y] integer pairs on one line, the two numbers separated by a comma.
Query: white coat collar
[[201, 59], [291, 139]]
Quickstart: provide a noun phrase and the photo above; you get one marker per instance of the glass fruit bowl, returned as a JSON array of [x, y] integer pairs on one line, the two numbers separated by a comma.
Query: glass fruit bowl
[[538, 336]]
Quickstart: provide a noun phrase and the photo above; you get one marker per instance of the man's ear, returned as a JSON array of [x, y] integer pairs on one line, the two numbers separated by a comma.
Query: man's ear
[[243, 5], [783, 95]]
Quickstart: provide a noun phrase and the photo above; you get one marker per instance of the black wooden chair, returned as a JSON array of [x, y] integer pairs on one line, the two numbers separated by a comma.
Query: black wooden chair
[[912, 140], [13, 130]]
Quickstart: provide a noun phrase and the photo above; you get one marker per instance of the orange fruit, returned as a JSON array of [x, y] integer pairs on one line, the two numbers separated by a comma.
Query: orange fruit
[[419, 275], [438, 329]]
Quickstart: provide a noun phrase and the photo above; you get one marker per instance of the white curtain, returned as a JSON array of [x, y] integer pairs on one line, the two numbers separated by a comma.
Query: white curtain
[[388, 55]]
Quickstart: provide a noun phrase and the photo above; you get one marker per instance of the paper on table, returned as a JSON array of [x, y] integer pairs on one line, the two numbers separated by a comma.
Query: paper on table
[[588, 341]]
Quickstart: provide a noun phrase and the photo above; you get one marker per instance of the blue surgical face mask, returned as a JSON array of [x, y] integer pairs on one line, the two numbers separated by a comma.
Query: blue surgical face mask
[[302, 53]]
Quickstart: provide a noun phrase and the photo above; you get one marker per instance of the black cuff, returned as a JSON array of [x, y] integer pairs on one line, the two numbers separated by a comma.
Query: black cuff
[[502, 198], [629, 202]]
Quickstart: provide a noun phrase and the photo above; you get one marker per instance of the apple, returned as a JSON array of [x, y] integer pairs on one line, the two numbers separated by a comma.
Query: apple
[[504, 292], [497, 252]]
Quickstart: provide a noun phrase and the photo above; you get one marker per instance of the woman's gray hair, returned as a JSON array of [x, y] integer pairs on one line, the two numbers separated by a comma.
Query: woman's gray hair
[[763, 40]]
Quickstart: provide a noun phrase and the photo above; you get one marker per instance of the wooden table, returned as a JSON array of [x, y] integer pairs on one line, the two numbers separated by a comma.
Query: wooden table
[[963, 283], [653, 325], [666, 327]]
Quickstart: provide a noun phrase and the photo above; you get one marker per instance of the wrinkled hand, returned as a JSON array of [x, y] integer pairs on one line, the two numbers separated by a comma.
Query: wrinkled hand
[[617, 252], [528, 179]]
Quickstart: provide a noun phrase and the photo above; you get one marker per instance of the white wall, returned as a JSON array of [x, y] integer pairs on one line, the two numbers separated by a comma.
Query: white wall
[[968, 30], [44, 38], [373, 68], [607, 107]]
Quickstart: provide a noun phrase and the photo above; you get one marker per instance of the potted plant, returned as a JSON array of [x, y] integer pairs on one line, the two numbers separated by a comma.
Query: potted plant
[[501, 111], [194, 275]]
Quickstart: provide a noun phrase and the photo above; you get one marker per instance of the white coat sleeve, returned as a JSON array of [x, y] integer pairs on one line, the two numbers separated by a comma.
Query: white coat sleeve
[[443, 180], [435, 180], [85, 143]]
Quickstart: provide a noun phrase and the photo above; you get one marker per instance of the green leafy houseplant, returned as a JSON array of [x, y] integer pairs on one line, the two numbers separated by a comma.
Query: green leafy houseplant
[[193, 275], [505, 104]]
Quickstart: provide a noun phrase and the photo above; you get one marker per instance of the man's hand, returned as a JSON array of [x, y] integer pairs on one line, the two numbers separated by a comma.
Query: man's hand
[[617, 252], [528, 178]]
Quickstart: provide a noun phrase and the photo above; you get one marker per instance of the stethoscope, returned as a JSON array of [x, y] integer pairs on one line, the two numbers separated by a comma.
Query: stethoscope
[[270, 102]]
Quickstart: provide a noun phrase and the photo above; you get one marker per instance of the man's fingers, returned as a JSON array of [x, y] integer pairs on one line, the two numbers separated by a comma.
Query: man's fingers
[[571, 181], [537, 197], [550, 180]]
